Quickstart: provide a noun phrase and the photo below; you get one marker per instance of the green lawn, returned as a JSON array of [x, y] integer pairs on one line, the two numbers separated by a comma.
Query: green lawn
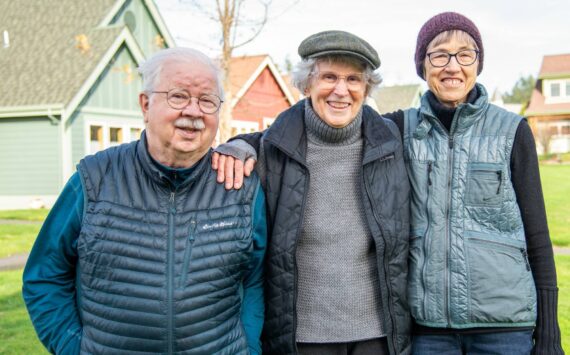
[[556, 187], [563, 273], [17, 238], [17, 336], [26, 215]]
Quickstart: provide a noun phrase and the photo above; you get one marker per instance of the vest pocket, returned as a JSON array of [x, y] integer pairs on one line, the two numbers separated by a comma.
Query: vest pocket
[[500, 284], [187, 254], [484, 184]]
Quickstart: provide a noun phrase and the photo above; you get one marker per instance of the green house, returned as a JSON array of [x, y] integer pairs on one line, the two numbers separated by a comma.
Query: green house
[[68, 87]]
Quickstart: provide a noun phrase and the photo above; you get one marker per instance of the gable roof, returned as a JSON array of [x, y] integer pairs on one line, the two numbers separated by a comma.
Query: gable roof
[[57, 48], [397, 97], [245, 69], [555, 66]]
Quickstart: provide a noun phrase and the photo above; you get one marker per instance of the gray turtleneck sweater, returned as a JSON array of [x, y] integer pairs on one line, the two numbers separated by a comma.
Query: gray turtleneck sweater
[[338, 290]]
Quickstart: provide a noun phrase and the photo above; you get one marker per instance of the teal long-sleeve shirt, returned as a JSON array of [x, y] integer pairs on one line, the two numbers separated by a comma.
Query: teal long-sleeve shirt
[[50, 275]]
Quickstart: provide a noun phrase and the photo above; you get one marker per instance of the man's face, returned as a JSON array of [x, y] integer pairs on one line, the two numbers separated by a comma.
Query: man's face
[[337, 101], [173, 138]]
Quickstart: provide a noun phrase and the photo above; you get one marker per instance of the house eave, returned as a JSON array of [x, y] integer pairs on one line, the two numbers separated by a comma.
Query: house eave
[[31, 111]]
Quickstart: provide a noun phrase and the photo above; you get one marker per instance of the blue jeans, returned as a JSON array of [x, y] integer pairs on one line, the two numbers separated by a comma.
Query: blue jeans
[[500, 343]]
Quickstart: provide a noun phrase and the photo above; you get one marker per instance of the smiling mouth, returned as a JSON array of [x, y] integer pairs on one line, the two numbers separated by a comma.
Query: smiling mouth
[[452, 82], [338, 105]]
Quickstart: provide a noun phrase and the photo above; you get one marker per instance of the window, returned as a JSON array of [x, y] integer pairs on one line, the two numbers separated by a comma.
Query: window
[[115, 136], [568, 88], [241, 127], [95, 138], [555, 89], [101, 135], [565, 130], [135, 134]]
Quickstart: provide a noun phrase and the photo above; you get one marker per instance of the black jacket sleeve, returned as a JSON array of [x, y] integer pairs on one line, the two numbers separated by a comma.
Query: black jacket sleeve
[[525, 177]]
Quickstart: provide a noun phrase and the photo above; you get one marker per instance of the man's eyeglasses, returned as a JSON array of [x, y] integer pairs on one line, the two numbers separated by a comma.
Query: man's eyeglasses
[[354, 81], [179, 99], [441, 59]]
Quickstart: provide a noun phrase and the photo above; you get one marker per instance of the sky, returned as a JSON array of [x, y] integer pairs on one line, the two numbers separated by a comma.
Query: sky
[[516, 33]]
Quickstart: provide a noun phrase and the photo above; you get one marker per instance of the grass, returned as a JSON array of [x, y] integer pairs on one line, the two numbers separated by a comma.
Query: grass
[[17, 335], [556, 187], [17, 238], [26, 215], [563, 273]]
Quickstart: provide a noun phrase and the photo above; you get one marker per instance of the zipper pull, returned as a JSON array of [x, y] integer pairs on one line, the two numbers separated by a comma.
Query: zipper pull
[[429, 172], [450, 142], [500, 176]]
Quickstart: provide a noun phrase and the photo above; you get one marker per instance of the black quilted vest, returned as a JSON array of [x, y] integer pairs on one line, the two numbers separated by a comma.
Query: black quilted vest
[[160, 268]]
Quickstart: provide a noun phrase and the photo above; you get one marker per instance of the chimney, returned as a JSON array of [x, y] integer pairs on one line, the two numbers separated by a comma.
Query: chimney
[[6, 42]]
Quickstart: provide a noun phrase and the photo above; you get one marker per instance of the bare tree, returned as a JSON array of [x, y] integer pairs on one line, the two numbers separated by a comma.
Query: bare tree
[[544, 135], [240, 22]]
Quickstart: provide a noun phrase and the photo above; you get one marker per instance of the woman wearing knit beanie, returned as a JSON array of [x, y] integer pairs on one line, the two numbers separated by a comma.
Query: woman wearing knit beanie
[[482, 278]]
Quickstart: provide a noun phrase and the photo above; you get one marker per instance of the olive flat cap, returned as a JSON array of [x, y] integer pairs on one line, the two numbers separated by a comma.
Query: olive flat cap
[[338, 42]]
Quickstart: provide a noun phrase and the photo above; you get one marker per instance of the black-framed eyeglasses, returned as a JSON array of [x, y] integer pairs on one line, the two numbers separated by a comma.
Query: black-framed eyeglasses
[[179, 99], [465, 57]]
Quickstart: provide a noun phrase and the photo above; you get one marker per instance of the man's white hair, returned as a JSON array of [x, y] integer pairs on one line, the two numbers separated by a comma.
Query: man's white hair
[[151, 68]]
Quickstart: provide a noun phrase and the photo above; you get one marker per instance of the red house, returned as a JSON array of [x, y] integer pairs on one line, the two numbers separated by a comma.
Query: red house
[[260, 93]]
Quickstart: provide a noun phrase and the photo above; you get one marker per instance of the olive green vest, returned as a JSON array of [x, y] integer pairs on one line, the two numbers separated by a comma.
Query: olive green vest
[[468, 259]]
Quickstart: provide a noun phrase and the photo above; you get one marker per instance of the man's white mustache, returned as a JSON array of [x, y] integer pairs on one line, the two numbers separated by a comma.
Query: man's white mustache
[[193, 123]]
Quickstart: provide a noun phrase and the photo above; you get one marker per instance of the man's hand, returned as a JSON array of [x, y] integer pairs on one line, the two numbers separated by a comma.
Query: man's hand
[[231, 171]]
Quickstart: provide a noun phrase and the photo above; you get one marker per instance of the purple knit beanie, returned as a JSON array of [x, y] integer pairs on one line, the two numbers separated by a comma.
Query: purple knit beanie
[[445, 21]]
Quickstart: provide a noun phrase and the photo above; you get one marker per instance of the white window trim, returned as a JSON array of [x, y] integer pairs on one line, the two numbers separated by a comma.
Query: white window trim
[[564, 94], [105, 125]]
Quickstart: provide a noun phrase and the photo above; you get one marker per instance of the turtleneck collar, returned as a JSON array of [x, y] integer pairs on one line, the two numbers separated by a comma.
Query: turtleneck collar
[[318, 131]]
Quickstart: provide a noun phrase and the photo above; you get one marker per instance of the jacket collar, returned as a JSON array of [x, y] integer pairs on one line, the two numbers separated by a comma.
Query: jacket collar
[[155, 174], [466, 114], [288, 134]]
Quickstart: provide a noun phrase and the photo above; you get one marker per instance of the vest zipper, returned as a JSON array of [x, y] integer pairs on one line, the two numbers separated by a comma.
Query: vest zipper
[[448, 230], [386, 276], [295, 277], [424, 243], [170, 272]]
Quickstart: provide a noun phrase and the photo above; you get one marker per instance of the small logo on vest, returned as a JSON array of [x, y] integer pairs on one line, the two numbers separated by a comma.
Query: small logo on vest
[[218, 225]]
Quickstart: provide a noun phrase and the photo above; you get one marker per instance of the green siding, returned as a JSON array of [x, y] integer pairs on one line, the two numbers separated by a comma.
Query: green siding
[[118, 86], [145, 30], [30, 156]]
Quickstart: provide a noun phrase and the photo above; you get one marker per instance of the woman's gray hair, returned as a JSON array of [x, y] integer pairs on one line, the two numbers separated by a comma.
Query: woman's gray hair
[[151, 68], [304, 71]]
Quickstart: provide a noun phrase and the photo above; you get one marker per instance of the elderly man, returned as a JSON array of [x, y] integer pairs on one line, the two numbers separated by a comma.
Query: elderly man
[[144, 252], [337, 197]]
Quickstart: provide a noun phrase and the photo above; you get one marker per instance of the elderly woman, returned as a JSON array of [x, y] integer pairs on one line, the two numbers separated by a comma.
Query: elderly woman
[[481, 261], [338, 205]]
